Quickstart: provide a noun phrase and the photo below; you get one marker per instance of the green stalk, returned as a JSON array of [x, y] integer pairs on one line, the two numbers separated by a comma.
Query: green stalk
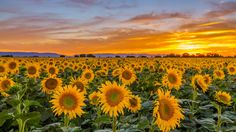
[[66, 122], [114, 124], [219, 118]]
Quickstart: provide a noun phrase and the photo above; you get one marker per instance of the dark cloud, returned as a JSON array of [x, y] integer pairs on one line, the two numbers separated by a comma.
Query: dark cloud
[[146, 18], [222, 9]]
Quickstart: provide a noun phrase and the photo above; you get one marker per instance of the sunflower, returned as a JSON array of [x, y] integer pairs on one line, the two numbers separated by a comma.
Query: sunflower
[[199, 82], [79, 84], [94, 98], [116, 72], [5, 83], [127, 76], [207, 79], [113, 98], [69, 101], [87, 75], [223, 97], [12, 66], [52, 70], [219, 74], [51, 84], [173, 79], [32, 70], [134, 103], [3, 69], [231, 69], [167, 111]]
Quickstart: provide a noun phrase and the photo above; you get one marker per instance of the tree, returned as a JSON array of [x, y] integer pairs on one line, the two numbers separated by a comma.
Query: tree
[[91, 55], [82, 55], [185, 55]]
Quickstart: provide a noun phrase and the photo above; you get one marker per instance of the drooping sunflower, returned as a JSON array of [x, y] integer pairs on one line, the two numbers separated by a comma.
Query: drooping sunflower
[[87, 75], [79, 84], [231, 69], [167, 111], [32, 70], [5, 83], [94, 98], [51, 84], [134, 103], [116, 72], [68, 100], [199, 82], [219, 74], [207, 79], [127, 76], [173, 79], [113, 98], [223, 97]]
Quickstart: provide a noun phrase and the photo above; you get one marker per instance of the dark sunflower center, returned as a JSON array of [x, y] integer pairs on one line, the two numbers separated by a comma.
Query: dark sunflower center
[[87, 75], [2, 69], [207, 80], [133, 102], [127, 75], [12, 65], [231, 69], [114, 97], [223, 98], [32, 70], [68, 101], [165, 109], [52, 70], [218, 73], [79, 85], [172, 78], [51, 83], [5, 84]]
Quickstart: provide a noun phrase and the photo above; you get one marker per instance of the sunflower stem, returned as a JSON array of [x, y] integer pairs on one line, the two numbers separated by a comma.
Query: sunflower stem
[[114, 124], [66, 122], [219, 118]]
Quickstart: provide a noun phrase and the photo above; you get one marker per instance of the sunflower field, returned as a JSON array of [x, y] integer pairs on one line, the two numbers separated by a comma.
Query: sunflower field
[[117, 94]]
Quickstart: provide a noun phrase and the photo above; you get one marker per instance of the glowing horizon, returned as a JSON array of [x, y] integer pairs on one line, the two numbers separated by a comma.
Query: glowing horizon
[[101, 26]]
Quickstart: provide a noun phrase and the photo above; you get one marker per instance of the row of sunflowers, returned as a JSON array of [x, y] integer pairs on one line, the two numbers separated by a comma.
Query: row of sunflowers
[[117, 94]]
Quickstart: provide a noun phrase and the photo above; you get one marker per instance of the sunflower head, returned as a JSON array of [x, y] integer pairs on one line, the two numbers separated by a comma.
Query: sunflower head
[[113, 98], [134, 103], [69, 101], [199, 82], [223, 97], [79, 84], [173, 79], [51, 84], [87, 75], [32, 70], [94, 98], [167, 111], [127, 76], [231, 69], [5, 84], [52, 70], [207, 79], [219, 74], [3, 69]]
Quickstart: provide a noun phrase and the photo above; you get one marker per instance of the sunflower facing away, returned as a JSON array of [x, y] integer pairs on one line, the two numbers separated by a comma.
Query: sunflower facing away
[[94, 98], [5, 83], [69, 101], [127, 76], [167, 111], [114, 98], [173, 79], [199, 82], [51, 84], [134, 103], [223, 97]]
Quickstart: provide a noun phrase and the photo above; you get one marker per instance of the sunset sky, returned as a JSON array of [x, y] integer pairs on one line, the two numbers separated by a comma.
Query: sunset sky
[[118, 26]]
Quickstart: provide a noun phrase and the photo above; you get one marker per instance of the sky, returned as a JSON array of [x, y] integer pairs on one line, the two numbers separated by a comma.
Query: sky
[[118, 26]]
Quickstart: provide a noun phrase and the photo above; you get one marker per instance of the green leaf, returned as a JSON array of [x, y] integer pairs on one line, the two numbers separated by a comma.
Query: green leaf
[[102, 119], [4, 115], [28, 103], [144, 123]]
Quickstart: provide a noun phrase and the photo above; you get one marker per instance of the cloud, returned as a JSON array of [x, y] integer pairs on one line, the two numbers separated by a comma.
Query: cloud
[[10, 10], [222, 9], [150, 17]]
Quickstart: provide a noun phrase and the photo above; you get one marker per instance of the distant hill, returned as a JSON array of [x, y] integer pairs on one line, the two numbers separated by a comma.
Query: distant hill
[[29, 54]]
